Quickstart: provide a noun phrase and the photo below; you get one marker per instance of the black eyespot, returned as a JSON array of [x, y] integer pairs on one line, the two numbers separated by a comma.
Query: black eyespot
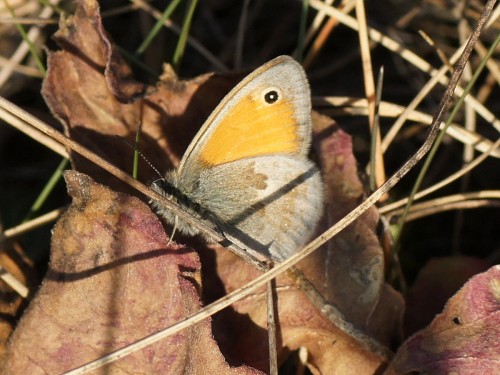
[[457, 320], [271, 96]]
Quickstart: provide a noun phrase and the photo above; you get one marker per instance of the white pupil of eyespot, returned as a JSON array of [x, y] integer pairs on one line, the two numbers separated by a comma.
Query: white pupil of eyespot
[[271, 96]]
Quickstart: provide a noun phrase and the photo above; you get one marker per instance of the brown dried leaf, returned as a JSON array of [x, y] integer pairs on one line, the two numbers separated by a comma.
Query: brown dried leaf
[[113, 279], [241, 331], [353, 279], [348, 273], [100, 105], [463, 339], [91, 113]]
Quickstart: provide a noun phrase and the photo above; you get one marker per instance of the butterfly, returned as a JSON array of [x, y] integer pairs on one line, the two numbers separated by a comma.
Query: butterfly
[[246, 172]]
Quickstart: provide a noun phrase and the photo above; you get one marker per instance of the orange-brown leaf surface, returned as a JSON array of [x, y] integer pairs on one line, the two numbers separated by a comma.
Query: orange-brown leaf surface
[[464, 338], [113, 278]]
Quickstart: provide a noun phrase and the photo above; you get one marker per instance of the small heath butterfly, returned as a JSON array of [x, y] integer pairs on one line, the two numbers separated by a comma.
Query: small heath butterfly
[[246, 172]]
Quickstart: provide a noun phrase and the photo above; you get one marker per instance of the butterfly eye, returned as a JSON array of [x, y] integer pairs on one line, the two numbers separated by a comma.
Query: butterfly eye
[[272, 95]]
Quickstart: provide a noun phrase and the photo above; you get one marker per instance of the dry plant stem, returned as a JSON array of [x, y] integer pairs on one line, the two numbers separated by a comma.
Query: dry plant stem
[[494, 15], [23, 49], [7, 277], [437, 76], [319, 42], [22, 7], [486, 89], [402, 52], [34, 223], [6, 114], [439, 51], [272, 299], [14, 283], [437, 204], [119, 10], [22, 69], [369, 89], [460, 66], [325, 31], [388, 209], [462, 205], [424, 91], [316, 23], [470, 124], [492, 64], [35, 21], [322, 239], [83, 151], [406, 18], [470, 115], [357, 106]]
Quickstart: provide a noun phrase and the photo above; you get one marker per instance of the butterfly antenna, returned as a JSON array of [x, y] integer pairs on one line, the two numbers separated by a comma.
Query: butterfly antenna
[[142, 156]]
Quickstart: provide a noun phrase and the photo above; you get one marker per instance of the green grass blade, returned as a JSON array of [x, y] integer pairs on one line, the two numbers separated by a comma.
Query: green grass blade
[[42, 197], [181, 45], [302, 30], [24, 35], [131, 58], [135, 167], [157, 27]]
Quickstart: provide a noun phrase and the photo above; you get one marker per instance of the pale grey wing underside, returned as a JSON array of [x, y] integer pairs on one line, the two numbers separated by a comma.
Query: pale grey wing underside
[[273, 205]]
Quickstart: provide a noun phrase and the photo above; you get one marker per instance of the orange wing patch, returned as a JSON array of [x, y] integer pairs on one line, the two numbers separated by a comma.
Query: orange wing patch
[[253, 128]]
